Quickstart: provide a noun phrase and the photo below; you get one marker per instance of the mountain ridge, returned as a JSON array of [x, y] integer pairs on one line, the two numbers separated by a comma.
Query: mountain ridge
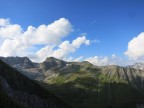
[[23, 92], [138, 65], [94, 86]]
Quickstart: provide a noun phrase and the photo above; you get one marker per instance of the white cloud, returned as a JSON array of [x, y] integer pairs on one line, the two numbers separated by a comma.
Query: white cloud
[[136, 47], [112, 60], [8, 30], [80, 40], [43, 53], [71, 59], [95, 41], [79, 59], [4, 22], [99, 61], [64, 49], [17, 42], [103, 60]]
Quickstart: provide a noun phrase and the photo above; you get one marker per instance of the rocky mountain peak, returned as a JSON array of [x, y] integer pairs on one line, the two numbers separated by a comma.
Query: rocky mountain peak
[[85, 63], [138, 65], [52, 62], [21, 62], [51, 58]]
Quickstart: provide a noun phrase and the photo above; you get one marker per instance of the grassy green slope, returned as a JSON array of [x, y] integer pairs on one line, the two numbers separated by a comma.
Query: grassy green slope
[[85, 89]]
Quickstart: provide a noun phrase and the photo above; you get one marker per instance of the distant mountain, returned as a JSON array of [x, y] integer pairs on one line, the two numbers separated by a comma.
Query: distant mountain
[[51, 67], [19, 62], [18, 91], [138, 65], [51, 63], [84, 85]]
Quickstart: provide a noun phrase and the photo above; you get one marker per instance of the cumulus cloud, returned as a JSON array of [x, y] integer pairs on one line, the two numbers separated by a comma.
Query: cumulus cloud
[[8, 30], [105, 60], [17, 42], [79, 59], [136, 47], [64, 49], [99, 61]]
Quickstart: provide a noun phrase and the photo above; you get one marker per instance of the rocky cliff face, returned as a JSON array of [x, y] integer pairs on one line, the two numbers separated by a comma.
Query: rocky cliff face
[[135, 77], [19, 62], [21, 92]]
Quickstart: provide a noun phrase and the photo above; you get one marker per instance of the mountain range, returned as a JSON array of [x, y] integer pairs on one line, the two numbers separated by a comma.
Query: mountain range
[[18, 91], [79, 84]]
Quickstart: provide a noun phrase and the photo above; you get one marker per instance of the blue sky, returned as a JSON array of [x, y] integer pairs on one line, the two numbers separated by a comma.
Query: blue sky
[[112, 22]]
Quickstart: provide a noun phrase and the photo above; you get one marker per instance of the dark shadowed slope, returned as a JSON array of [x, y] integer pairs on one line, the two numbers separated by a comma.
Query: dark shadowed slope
[[18, 91]]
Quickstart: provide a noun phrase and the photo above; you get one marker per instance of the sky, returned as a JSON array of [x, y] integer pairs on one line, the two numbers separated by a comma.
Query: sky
[[103, 32]]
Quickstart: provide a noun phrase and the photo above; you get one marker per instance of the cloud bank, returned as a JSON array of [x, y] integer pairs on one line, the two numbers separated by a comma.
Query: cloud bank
[[17, 42], [64, 49], [105, 60]]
